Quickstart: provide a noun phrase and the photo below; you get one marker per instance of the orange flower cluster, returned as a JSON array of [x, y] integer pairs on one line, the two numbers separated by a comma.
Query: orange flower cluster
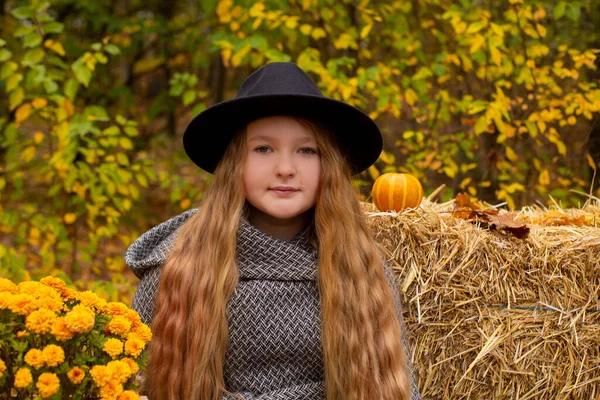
[[52, 326]]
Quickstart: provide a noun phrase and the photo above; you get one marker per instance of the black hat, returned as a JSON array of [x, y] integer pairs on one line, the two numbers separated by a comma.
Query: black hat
[[281, 88]]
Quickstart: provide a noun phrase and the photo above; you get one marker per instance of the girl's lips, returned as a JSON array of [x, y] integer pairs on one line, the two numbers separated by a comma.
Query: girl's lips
[[283, 192]]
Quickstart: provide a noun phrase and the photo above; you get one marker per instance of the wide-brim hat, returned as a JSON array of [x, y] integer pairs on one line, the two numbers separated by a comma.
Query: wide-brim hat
[[281, 88]]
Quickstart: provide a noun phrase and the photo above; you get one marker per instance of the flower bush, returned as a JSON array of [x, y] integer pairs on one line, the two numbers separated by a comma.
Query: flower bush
[[58, 343]]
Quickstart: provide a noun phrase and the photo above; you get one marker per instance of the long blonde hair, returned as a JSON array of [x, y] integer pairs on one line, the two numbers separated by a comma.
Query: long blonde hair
[[361, 337]]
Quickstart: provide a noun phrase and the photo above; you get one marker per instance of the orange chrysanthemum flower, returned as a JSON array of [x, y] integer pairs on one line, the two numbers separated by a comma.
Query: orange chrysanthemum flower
[[133, 317], [119, 325], [100, 375], [115, 308], [48, 384], [53, 355], [35, 358], [55, 283], [22, 304], [5, 300], [144, 332], [60, 330], [7, 286], [134, 345], [111, 389], [76, 375], [113, 347], [40, 321], [119, 370], [23, 378], [2, 367], [80, 319], [135, 368], [128, 395]]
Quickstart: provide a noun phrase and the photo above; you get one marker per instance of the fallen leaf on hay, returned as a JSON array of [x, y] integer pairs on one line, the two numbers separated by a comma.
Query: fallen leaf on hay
[[489, 218], [506, 222]]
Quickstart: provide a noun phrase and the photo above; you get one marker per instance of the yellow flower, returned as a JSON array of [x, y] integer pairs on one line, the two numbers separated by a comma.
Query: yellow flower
[[144, 332], [113, 347], [3, 367], [40, 321], [61, 331], [53, 355], [37, 290], [5, 300], [69, 294], [88, 298], [22, 304], [100, 375], [48, 384], [135, 368], [22, 334], [119, 370], [119, 325], [80, 319], [111, 389], [55, 305], [115, 308], [7, 286], [55, 283], [128, 395], [133, 317], [76, 375], [134, 345], [23, 378], [35, 358]]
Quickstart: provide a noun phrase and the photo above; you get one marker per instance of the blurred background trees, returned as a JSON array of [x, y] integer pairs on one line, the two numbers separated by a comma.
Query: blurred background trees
[[496, 99]]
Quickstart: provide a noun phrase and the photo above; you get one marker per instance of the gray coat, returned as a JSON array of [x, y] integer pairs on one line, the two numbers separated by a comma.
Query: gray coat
[[274, 350]]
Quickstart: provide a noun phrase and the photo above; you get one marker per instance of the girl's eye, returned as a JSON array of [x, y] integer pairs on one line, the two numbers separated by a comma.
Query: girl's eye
[[261, 149], [308, 150]]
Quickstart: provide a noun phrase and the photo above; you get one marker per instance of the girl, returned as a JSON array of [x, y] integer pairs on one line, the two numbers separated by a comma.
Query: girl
[[274, 287]]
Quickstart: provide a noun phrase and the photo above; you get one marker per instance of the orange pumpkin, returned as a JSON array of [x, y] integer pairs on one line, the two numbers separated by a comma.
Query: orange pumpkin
[[396, 192]]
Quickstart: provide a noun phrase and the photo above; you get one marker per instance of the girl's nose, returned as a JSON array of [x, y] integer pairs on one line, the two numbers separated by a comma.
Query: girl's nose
[[285, 166]]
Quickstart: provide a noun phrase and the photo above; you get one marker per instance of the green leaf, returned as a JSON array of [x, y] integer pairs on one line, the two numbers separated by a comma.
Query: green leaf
[[50, 85], [481, 125], [32, 40], [112, 49], [111, 131], [5, 55], [15, 98], [2, 42], [208, 6], [70, 88], [198, 108], [559, 10], [13, 82], [8, 69], [96, 46], [574, 12], [101, 58], [131, 131], [33, 56], [82, 73], [189, 97], [23, 30], [23, 12], [53, 27]]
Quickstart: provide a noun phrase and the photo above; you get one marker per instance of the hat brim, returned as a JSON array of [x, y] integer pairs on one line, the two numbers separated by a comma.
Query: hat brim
[[208, 134]]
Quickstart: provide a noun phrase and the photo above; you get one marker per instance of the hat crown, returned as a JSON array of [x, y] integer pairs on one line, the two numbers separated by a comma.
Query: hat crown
[[279, 78]]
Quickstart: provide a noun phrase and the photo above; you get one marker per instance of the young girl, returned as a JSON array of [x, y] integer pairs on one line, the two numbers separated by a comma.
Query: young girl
[[274, 287]]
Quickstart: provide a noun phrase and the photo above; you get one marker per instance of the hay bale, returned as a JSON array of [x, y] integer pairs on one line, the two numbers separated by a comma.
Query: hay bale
[[492, 316]]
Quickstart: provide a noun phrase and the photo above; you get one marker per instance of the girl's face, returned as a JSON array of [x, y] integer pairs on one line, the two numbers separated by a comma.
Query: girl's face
[[282, 170]]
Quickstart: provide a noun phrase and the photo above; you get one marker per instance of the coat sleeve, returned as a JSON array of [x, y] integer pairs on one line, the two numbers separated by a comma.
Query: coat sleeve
[[415, 395]]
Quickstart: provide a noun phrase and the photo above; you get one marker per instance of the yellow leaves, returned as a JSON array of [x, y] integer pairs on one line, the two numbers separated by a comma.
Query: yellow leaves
[[496, 56], [410, 96], [591, 162], [291, 22], [28, 154], [544, 178], [22, 112], [510, 154], [477, 26], [257, 9], [572, 120], [364, 32], [345, 41], [515, 1], [125, 143], [223, 11], [69, 218], [318, 33], [185, 203], [306, 29], [56, 47], [239, 55], [373, 172], [541, 30], [39, 103], [477, 43], [38, 137]]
